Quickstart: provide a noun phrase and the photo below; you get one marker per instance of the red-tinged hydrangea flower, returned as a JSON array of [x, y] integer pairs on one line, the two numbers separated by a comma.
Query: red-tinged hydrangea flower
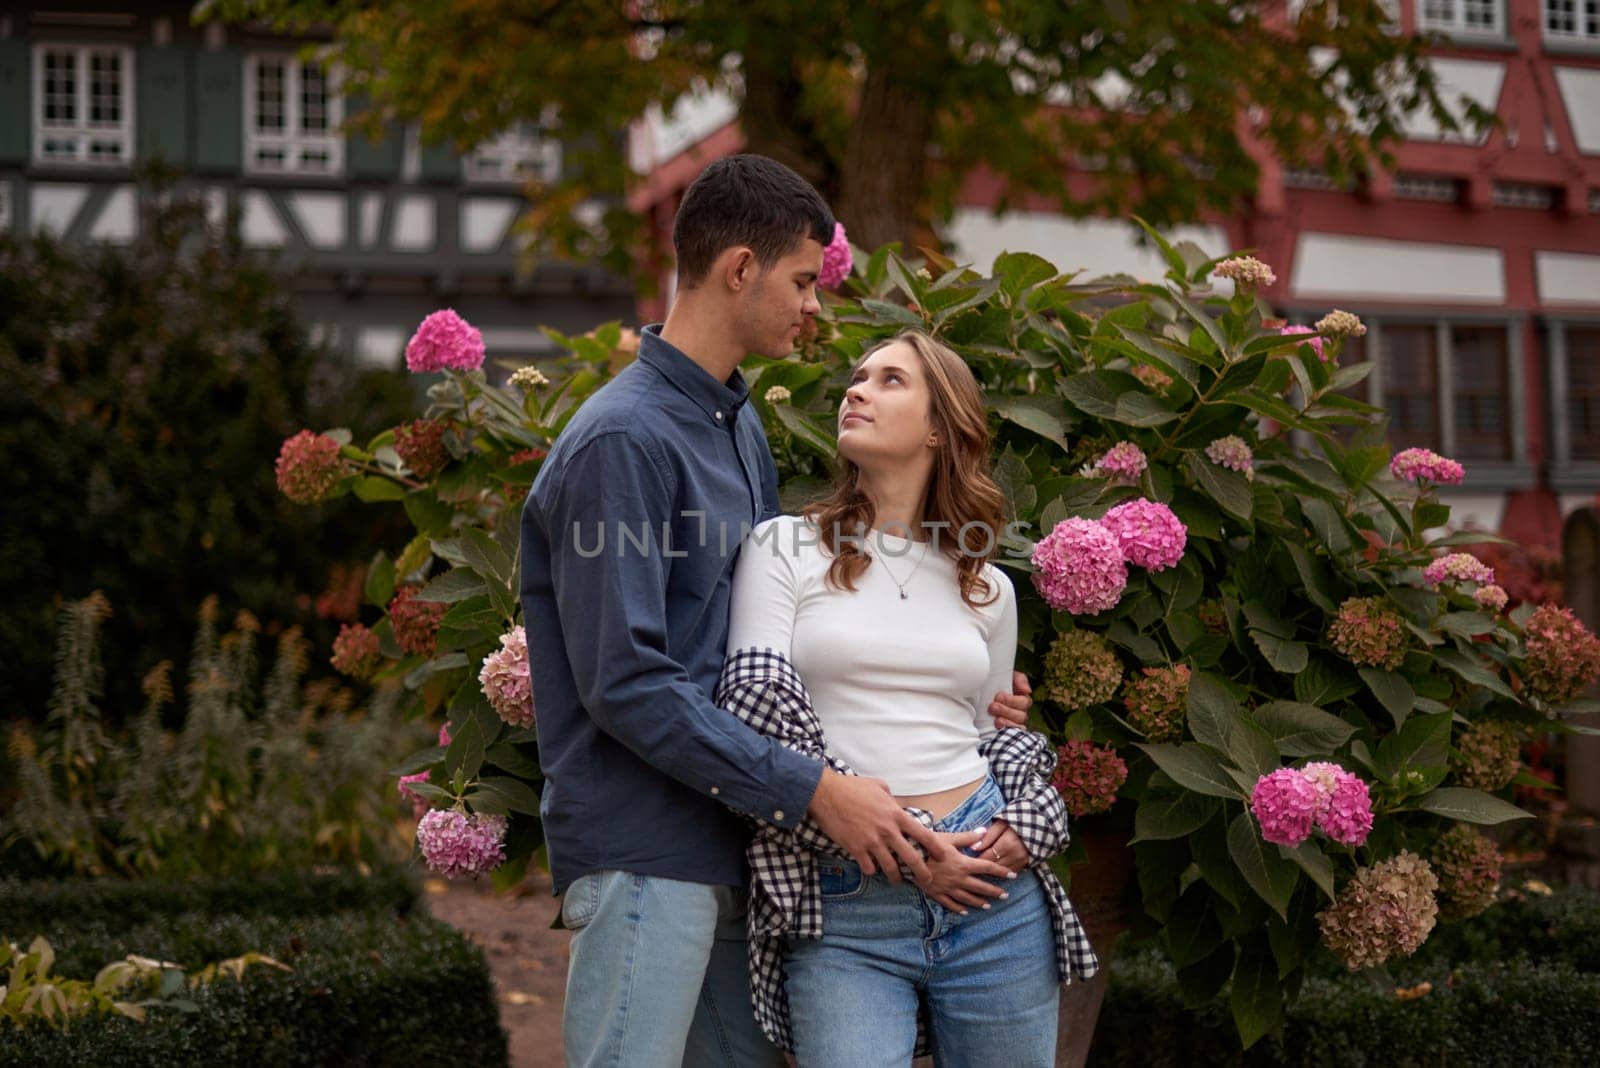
[[1318, 346], [1246, 272], [1080, 671], [416, 623], [1494, 598], [1425, 465], [1468, 866], [309, 467], [356, 652], [1088, 777], [1285, 803], [1457, 567], [1563, 658], [505, 681], [1150, 535], [454, 843], [420, 444], [1158, 702], [419, 804], [445, 341], [1124, 462], [1488, 755], [1386, 911], [836, 260], [1154, 378], [1369, 632], [1344, 810], [1081, 569], [1233, 453]]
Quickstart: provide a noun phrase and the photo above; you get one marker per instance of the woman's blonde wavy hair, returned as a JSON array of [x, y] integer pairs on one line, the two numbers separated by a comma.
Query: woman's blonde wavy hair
[[960, 491]]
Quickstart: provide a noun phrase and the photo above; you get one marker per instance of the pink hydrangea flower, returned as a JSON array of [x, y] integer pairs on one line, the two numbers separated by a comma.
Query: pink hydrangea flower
[[1344, 811], [1425, 465], [1124, 462], [1493, 598], [444, 341], [454, 843], [1458, 567], [1081, 569], [1316, 343], [505, 681], [420, 444], [356, 652], [1150, 535], [1563, 658], [309, 467], [1233, 453], [836, 259], [1285, 803]]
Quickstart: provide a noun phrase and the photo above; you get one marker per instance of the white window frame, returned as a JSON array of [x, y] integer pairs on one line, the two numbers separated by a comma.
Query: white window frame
[[81, 134], [1455, 24], [525, 151], [300, 149], [1583, 11]]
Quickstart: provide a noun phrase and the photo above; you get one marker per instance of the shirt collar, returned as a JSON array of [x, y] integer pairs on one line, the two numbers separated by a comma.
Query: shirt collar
[[720, 401]]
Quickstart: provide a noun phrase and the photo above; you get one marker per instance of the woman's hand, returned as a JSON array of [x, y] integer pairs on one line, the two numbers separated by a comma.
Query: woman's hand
[[957, 882], [1001, 845]]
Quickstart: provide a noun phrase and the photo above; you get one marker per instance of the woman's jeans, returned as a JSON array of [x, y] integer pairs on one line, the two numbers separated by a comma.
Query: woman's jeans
[[989, 978]]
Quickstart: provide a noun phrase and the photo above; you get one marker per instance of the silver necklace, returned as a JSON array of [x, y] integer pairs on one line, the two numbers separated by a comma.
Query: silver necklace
[[881, 558]]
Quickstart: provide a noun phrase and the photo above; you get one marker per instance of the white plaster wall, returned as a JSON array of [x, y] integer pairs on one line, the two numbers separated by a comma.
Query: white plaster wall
[[1567, 277], [1097, 246], [321, 217], [54, 206], [1477, 79], [380, 346], [1580, 92], [118, 221], [414, 223], [260, 225], [1340, 266], [484, 222]]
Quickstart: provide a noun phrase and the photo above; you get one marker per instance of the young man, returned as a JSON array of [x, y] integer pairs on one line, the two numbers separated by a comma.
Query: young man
[[628, 545]]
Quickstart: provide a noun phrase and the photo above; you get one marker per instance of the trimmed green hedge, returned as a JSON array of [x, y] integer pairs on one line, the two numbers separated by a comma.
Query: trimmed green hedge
[[1517, 985], [27, 907], [367, 988]]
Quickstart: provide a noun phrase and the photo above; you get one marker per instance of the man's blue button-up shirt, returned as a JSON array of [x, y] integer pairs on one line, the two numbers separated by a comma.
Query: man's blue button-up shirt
[[628, 544]]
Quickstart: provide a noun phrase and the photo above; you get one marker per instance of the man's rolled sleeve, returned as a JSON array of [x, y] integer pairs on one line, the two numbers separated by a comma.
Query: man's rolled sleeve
[[614, 593]]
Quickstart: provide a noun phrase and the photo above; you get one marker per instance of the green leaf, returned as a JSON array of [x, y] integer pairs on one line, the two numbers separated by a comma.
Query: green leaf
[[1328, 523], [1193, 932], [1019, 271], [1165, 816], [1212, 711], [1256, 998], [1268, 873], [1228, 488], [430, 515], [515, 794], [1315, 863], [882, 310], [465, 754], [1095, 392], [421, 760], [1237, 376], [1169, 360], [1194, 768], [1141, 409], [1205, 322], [1289, 657], [1392, 691], [1470, 806], [1473, 672], [508, 758], [379, 589], [457, 584], [1422, 743], [1314, 573], [1323, 683], [1300, 730], [1251, 749], [1466, 624], [373, 488], [1042, 414]]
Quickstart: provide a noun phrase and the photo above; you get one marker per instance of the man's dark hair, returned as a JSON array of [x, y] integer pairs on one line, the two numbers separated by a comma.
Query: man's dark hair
[[746, 200]]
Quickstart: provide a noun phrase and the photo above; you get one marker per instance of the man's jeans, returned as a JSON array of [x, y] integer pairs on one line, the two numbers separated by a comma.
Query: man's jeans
[[658, 976], [989, 978]]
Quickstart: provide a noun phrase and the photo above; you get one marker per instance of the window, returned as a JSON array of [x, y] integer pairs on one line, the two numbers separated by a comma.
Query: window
[[1583, 392], [1410, 362], [1478, 360], [1572, 20], [292, 114], [1473, 17], [523, 153], [83, 105]]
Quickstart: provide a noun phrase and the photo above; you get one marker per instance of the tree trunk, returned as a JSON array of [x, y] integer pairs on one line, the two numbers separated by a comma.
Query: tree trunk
[[883, 187], [770, 119]]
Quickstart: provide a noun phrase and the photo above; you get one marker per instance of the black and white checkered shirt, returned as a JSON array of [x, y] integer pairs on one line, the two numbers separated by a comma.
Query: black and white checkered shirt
[[763, 689]]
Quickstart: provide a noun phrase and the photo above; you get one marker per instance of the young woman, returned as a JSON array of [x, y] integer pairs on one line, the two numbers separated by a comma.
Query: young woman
[[870, 631]]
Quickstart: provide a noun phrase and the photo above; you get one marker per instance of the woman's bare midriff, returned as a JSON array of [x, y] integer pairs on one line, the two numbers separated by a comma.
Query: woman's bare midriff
[[943, 803]]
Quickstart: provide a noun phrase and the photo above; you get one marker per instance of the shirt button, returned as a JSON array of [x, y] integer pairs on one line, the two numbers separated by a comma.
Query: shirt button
[[718, 417], [715, 790], [778, 815]]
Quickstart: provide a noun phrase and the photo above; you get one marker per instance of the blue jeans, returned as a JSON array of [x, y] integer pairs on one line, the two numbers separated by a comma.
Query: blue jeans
[[658, 976], [988, 979]]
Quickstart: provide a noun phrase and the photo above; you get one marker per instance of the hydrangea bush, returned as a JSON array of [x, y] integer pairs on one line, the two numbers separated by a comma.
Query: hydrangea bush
[[1265, 662]]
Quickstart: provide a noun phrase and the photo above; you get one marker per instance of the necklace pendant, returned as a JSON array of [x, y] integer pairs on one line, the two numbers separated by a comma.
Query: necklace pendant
[[903, 595]]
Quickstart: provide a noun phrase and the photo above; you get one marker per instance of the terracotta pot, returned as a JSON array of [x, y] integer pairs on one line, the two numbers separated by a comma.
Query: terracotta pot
[[1104, 894]]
